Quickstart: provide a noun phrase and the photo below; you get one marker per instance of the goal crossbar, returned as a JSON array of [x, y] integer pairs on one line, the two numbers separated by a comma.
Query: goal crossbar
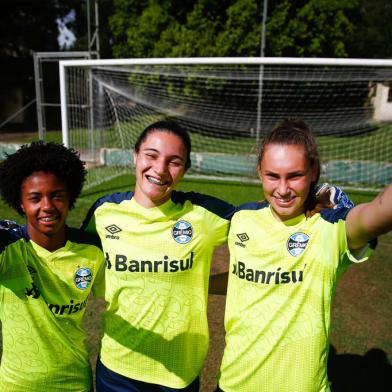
[[338, 97]]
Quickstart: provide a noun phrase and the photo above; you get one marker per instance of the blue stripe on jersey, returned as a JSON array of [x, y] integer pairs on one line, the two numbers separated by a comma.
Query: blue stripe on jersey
[[216, 206], [79, 236], [328, 214], [253, 205], [334, 215], [219, 207], [10, 232], [115, 198]]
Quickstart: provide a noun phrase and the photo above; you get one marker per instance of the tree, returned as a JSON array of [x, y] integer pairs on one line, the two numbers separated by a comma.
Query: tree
[[172, 28], [372, 35], [315, 28]]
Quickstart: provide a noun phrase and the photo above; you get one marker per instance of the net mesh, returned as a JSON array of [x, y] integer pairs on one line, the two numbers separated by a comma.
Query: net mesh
[[228, 108]]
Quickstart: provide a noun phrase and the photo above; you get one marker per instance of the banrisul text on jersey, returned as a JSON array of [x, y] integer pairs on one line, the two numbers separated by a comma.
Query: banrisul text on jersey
[[164, 264], [279, 276]]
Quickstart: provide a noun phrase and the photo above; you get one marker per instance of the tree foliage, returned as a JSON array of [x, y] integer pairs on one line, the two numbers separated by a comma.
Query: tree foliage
[[372, 37], [315, 28], [173, 28]]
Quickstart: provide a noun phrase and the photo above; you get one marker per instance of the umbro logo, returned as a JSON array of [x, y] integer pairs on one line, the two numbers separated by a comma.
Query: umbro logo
[[242, 237], [113, 229]]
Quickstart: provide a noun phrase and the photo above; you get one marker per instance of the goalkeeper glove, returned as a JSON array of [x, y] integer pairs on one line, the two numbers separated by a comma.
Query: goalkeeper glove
[[329, 196], [333, 195]]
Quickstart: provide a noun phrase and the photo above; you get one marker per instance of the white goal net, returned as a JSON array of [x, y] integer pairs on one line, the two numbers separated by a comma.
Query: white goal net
[[228, 104]]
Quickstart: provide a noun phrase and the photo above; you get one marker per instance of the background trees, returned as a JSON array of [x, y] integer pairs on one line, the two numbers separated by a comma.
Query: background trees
[[171, 28], [372, 37], [174, 28]]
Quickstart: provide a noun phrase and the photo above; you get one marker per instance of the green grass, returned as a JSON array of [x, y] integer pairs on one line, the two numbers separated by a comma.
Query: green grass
[[330, 147]]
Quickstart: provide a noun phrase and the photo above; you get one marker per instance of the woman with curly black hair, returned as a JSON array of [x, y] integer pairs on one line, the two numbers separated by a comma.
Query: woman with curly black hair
[[47, 271]]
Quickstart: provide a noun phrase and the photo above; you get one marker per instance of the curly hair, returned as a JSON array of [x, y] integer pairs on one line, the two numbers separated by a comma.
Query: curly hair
[[53, 158]]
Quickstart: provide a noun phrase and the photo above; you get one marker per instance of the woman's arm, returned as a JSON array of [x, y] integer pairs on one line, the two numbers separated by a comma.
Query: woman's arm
[[218, 283], [366, 221]]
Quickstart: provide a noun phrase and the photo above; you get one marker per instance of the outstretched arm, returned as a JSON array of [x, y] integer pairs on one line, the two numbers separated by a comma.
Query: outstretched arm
[[366, 221]]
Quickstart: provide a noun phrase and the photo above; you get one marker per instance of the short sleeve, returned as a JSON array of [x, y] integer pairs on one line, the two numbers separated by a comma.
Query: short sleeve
[[99, 281]]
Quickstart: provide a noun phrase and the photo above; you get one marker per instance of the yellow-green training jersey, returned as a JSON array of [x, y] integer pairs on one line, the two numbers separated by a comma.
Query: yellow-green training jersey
[[43, 297], [158, 264], [281, 282]]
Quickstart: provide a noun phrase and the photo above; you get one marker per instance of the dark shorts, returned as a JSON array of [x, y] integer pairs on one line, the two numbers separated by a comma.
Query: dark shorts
[[109, 381]]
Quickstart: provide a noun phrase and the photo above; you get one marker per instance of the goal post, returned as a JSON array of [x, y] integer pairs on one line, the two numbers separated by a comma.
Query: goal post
[[228, 104]]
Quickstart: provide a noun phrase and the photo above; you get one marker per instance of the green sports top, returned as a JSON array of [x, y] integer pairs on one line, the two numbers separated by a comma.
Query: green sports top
[[158, 264], [281, 282], [43, 298]]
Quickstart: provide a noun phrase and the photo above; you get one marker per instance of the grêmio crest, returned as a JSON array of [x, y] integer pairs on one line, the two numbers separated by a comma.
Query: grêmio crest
[[297, 243]]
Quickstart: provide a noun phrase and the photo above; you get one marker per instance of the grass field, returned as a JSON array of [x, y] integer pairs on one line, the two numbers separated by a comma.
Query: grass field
[[330, 147], [362, 312], [360, 162]]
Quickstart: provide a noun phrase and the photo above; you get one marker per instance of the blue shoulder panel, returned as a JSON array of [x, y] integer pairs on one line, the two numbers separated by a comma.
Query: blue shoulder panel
[[115, 198], [81, 237], [11, 232], [253, 205], [328, 214], [216, 206], [334, 215]]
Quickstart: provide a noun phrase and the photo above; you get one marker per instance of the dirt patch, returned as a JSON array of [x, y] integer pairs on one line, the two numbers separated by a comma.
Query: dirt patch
[[17, 137]]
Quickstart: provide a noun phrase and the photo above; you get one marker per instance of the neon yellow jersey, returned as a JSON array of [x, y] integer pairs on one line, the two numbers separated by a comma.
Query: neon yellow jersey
[[281, 282], [43, 298], [158, 265]]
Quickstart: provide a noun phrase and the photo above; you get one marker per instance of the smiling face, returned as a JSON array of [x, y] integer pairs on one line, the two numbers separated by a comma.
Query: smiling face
[[160, 165], [286, 175], [44, 199]]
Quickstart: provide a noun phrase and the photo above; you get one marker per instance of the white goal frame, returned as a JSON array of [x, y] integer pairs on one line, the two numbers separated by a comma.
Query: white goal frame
[[259, 61]]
